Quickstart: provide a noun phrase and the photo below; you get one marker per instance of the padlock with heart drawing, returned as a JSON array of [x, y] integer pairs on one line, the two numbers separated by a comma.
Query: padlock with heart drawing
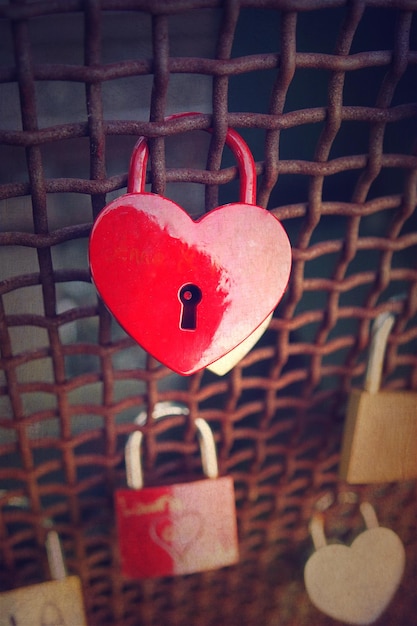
[[190, 292], [355, 584], [176, 529]]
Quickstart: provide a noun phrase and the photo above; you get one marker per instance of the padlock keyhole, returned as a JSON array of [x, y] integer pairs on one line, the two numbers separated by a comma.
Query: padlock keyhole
[[190, 297]]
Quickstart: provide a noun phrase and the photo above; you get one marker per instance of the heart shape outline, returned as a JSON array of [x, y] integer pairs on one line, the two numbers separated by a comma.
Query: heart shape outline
[[186, 529]]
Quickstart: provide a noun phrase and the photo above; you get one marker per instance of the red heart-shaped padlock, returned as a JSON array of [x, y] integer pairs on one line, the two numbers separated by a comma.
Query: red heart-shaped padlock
[[189, 291]]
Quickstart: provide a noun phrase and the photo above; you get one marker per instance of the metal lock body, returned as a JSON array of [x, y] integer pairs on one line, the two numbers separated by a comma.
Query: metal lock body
[[176, 529], [189, 292], [380, 434], [58, 602]]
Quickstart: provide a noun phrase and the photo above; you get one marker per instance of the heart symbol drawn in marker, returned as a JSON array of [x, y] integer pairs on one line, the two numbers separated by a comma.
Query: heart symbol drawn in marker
[[355, 584], [178, 534]]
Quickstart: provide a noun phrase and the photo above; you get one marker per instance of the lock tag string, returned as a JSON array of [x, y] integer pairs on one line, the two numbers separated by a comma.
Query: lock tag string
[[240, 149]]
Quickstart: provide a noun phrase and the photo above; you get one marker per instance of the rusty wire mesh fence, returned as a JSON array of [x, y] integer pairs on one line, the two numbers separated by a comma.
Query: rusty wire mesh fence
[[324, 91]]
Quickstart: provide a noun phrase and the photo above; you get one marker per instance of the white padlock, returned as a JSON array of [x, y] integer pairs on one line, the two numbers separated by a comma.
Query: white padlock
[[355, 584], [58, 602]]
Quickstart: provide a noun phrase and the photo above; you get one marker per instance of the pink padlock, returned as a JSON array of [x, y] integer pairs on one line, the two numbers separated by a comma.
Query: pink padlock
[[189, 292], [176, 529]]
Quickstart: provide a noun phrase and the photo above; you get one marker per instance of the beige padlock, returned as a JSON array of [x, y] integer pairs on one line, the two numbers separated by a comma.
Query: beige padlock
[[380, 435], [58, 602]]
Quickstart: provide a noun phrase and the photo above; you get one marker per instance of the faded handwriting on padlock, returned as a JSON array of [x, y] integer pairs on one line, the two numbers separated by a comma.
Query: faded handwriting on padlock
[[140, 256], [165, 503]]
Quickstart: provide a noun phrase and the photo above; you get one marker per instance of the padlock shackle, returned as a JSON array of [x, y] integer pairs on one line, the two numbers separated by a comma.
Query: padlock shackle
[[240, 149], [55, 556], [317, 524], [380, 332], [133, 460]]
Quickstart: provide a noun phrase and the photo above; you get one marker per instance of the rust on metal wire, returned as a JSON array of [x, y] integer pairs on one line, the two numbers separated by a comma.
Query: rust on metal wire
[[324, 93]]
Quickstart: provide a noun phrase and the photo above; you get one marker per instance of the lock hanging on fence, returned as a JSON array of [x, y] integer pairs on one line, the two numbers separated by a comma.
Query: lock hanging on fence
[[58, 602], [355, 584], [180, 528], [190, 292], [380, 434]]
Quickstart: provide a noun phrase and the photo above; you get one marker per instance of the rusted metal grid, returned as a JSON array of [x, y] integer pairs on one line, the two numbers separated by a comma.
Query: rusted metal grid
[[278, 415]]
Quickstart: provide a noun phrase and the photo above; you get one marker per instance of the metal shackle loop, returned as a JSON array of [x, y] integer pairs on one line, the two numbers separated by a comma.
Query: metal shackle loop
[[317, 524], [133, 461], [380, 332], [55, 556], [240, 149]]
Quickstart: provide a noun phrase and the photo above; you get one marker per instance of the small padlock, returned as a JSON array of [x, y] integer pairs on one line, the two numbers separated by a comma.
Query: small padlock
[[58, 602], [355, 584], [380, 434], [176, 529], [189, 292]]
